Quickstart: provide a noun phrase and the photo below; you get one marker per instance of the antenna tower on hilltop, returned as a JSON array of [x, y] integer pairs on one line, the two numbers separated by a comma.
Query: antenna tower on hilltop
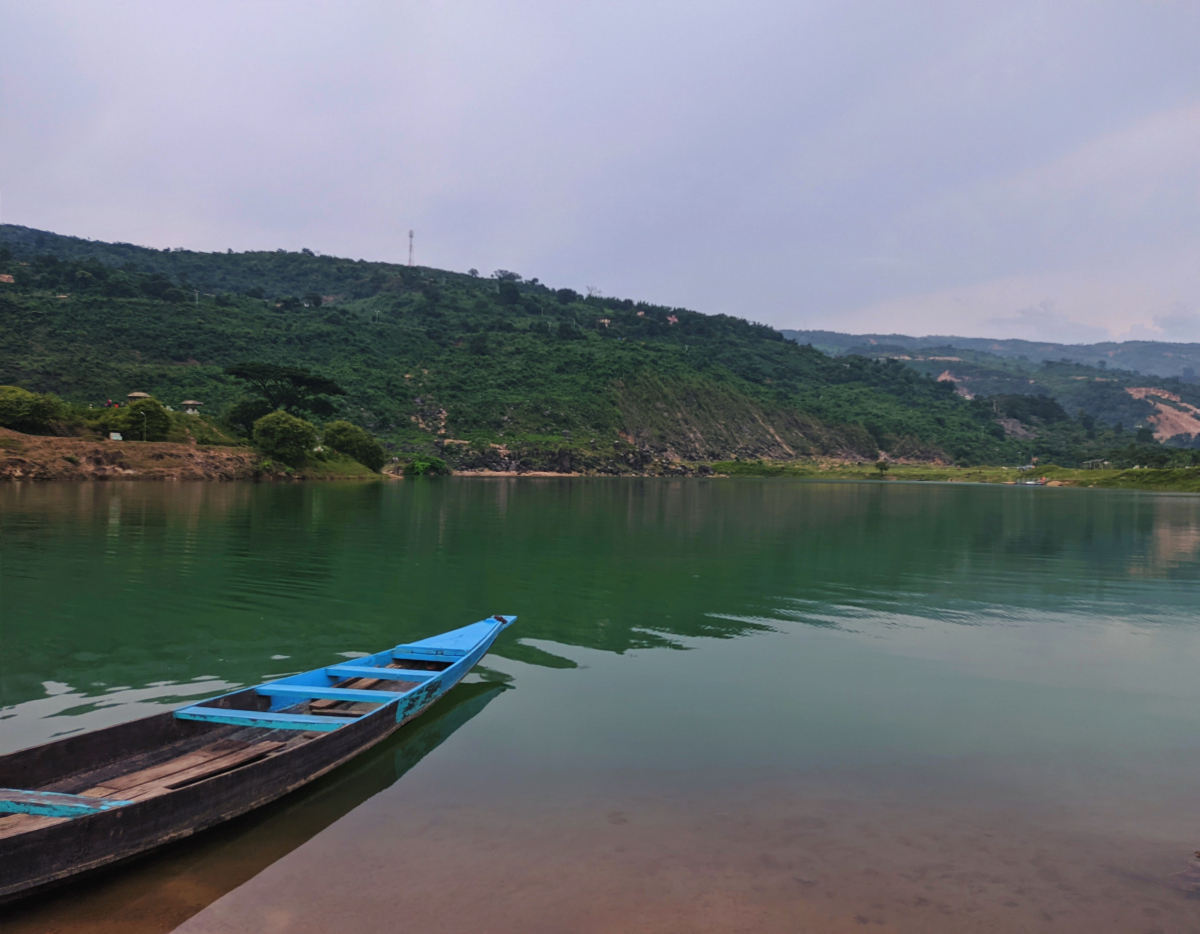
[[410, 252]]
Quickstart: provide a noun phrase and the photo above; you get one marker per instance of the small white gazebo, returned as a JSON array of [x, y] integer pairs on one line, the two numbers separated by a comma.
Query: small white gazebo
[[191, 407]]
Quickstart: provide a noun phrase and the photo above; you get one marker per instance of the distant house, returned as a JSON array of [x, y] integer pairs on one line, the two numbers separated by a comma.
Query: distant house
[[191, 407], [134, 396]]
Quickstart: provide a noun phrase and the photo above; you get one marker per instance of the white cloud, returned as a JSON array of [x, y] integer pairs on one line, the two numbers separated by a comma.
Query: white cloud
[[1146, 297]]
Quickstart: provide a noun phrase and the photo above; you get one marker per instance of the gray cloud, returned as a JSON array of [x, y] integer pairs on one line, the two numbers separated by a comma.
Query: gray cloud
[[806, 164]]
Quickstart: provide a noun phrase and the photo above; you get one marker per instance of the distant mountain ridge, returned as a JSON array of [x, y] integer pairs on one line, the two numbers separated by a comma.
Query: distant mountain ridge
[[1154, 358], [1133, 383]]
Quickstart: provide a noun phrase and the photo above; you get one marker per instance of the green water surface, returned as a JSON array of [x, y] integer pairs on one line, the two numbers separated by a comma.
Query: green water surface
[[663, 624]]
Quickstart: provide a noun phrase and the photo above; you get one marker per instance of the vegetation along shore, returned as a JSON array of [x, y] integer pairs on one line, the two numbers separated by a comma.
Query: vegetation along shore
[[277, 364]]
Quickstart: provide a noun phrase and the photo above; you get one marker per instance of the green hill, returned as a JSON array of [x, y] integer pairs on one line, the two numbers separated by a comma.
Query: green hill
[[494, 372]]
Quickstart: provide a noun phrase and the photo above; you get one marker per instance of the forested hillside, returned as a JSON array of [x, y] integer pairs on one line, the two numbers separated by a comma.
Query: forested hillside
[[489, 370]]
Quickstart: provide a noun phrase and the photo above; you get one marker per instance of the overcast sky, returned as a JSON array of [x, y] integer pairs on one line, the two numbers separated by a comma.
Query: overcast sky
[[988, 169]]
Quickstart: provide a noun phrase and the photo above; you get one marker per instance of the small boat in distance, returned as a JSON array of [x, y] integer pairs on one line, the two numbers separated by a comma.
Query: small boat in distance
[[88, 801]]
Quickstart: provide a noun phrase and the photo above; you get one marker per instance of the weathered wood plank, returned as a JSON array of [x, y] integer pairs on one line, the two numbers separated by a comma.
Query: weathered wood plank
[[185, 770], [343, 709], [166, 769], [224, 764], [53, 803], [380, 674], [12, 825]]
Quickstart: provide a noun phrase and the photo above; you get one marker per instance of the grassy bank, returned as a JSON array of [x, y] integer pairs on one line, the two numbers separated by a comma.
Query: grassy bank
[[1180, 480]]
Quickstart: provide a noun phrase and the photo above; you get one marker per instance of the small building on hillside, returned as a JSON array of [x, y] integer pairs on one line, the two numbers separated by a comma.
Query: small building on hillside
[[134, 396], [191, 406]]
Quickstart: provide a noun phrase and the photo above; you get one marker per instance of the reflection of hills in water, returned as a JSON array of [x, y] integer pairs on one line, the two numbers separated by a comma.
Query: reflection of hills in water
[[111, 586], [155, 894]]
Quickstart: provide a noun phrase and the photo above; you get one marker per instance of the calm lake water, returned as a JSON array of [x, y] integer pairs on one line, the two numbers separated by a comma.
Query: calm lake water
[[727, 705]]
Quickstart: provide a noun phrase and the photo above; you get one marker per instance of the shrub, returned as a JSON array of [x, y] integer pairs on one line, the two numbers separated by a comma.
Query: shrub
[[29, 412], [145, 420], [426, 467], [355, 442], [285, 437]]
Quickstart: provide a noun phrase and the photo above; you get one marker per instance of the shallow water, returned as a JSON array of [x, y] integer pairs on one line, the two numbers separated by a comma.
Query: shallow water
[[727, 705]]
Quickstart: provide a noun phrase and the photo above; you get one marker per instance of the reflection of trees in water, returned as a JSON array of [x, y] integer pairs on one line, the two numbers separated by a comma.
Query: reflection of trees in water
[[107, 585], [1175, 538], [621, 572], [115, 584], [162, 891]]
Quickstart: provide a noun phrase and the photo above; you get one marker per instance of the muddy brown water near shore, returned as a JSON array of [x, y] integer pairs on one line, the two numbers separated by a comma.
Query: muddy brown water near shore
[[730, 706], [895, 850]]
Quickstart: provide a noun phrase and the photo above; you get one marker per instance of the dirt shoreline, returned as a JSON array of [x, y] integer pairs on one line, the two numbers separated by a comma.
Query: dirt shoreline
[[41, 457]]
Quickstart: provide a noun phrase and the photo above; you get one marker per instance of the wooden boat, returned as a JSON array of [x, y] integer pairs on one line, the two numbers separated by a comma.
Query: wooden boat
[[88, 801]]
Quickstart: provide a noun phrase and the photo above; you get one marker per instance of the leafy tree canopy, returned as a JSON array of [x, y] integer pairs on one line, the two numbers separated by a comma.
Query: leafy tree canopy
[[145, 420], [286, 437], [288, 387], [355, 442], [30, 412]]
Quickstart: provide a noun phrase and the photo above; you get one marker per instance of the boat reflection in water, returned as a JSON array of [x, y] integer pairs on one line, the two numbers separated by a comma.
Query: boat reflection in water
[[156, 894]]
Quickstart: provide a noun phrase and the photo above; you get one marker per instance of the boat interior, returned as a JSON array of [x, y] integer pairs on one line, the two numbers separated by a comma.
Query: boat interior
[[226, 733]]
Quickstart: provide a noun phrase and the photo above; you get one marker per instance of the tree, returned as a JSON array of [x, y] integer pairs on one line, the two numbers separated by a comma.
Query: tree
[[287, 387], [313, 300], [145, 420], [426, 467], [355, 442], [26, 411], [285, 437], [882, 466], [509, 293], [242, 415]]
